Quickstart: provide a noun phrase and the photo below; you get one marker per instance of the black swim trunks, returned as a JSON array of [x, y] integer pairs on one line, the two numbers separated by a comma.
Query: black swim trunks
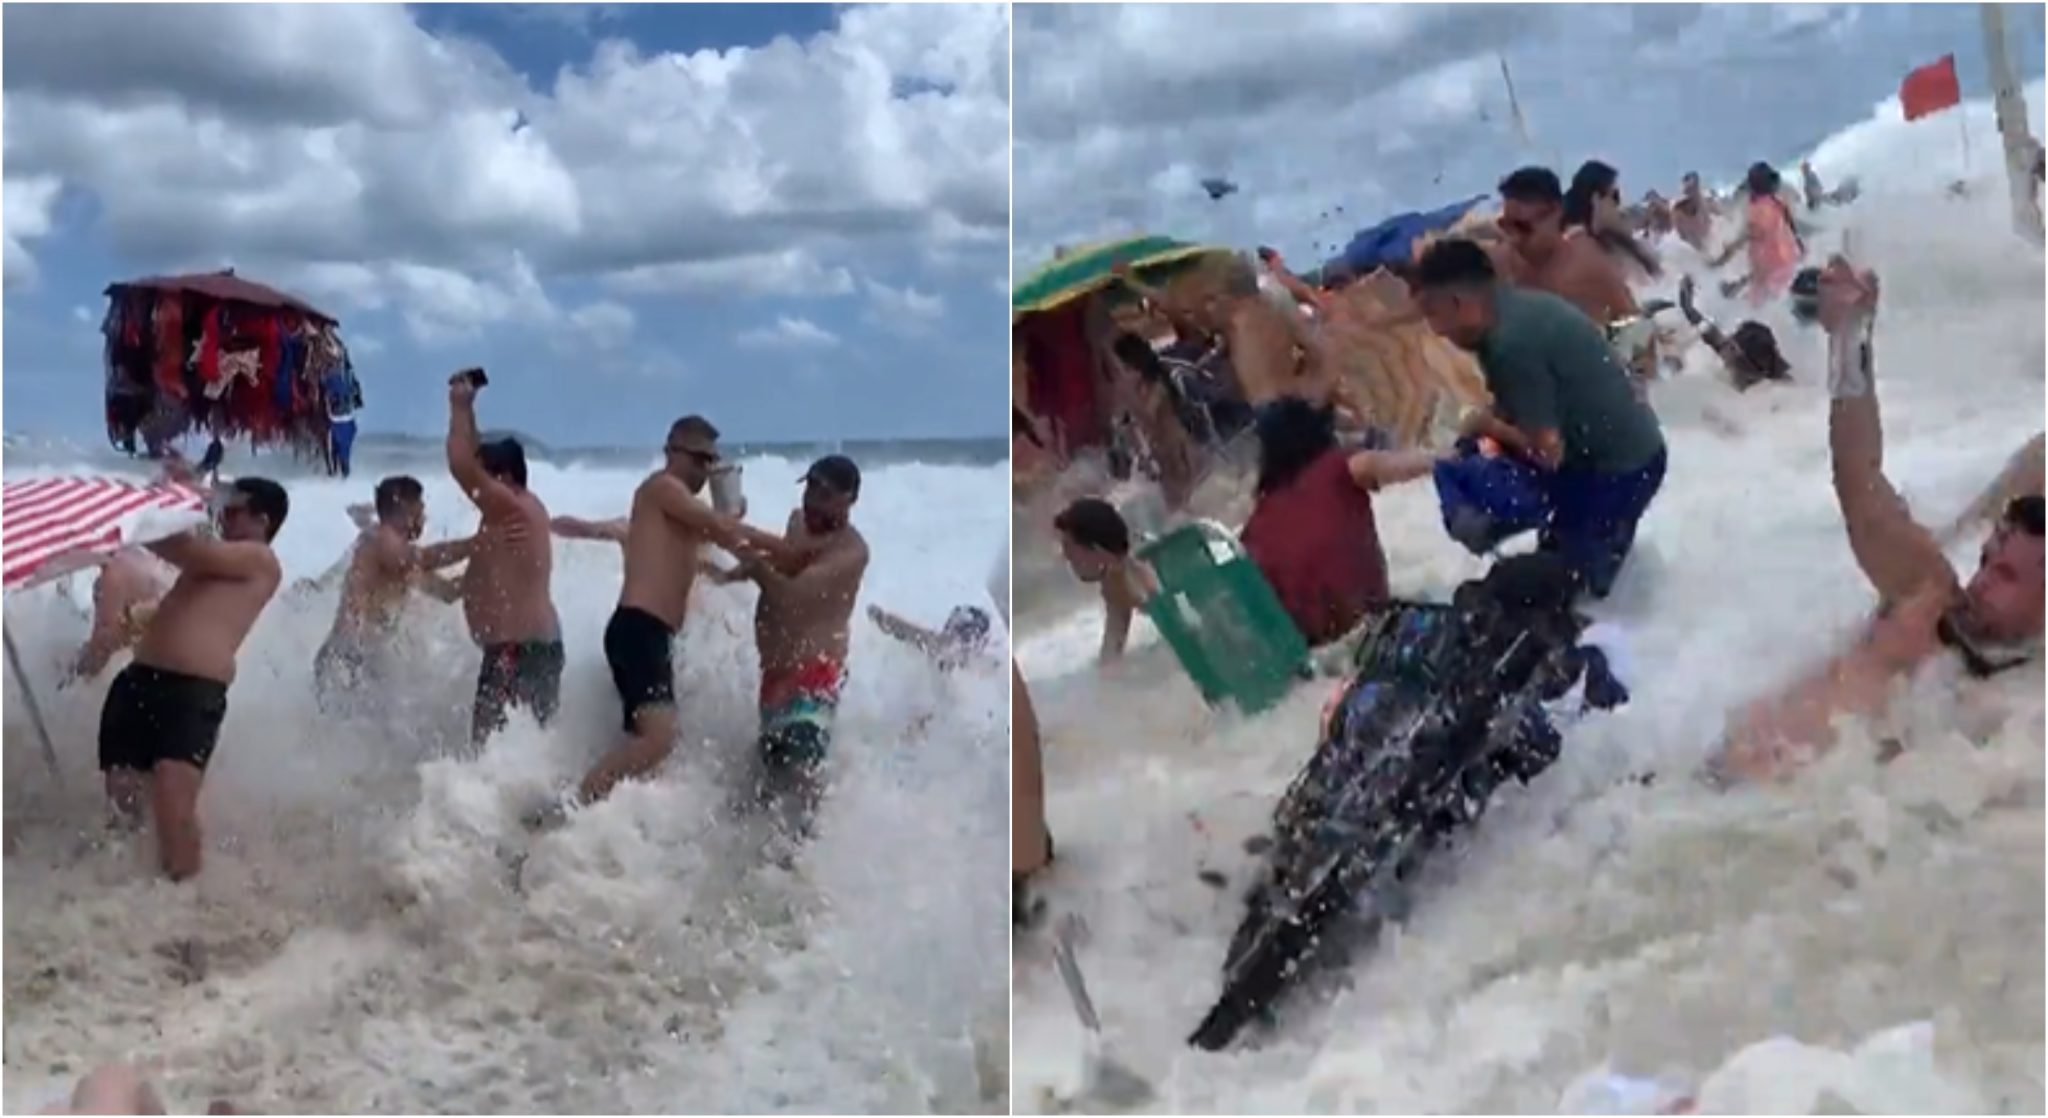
[[152, 715], [518, 673], [636, 645]]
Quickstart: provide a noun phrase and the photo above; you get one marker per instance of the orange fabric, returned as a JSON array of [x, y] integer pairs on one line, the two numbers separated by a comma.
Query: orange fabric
[[1774, 251]]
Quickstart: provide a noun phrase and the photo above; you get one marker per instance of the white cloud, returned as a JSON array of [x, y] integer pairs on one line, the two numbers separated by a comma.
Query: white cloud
[[605, 326], [347, 144], [441, 305], [790, 273], [83, 315], [26, 203], [365, 345], [904, 310], [788, 333]]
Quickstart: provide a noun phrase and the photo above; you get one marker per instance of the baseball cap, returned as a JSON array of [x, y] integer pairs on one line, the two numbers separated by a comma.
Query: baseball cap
[[837, 472]]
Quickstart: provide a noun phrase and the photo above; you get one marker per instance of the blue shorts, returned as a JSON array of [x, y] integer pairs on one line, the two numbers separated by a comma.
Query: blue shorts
[[1586, 517], [1594, 516], [1488, 501]]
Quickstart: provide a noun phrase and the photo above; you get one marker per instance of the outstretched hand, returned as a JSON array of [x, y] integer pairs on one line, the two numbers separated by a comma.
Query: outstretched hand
[[1846, 295], [461, 389]]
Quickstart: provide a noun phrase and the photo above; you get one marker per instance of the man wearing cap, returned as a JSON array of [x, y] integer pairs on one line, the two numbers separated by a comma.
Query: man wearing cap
[[801, 626], [664, 533], [507, 590]]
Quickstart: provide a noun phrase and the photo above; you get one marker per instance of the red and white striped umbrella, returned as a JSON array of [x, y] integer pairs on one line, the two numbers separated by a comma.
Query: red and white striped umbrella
[[56, 525]]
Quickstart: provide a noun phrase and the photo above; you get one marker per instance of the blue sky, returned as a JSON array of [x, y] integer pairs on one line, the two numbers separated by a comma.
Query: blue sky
[[790, 218], [1121, 111]]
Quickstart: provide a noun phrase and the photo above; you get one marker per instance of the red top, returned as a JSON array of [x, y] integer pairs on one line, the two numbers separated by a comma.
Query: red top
[[1318, 546]]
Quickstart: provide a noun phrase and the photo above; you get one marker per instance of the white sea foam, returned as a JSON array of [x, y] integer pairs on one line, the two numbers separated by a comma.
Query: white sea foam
[[1591, 920], [356, 943]]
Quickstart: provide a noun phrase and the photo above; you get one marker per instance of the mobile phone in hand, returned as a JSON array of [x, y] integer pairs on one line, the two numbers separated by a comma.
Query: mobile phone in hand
[[476, 376]]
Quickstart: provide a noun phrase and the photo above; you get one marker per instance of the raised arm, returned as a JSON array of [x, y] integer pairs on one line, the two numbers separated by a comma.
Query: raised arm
[[193, 553], [1896, 554], [465, 452]]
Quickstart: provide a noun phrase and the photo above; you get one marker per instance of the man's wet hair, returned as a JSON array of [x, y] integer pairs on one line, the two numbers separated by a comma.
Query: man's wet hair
[[504, 459], [395, 492], [1138, 354], [1532, 184], [694, 427], [1453, 262], [1092, 522], [266, 499]]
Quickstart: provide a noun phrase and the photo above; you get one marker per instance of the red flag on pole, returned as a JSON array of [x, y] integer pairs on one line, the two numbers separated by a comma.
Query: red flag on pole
[[1930, 89]]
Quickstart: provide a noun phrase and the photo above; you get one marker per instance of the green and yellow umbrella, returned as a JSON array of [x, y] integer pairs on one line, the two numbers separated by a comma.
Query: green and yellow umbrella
[[1084, 270]]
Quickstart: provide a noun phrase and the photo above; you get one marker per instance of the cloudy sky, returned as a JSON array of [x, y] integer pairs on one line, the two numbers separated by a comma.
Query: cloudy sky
[[1122, 111], [791, 218]]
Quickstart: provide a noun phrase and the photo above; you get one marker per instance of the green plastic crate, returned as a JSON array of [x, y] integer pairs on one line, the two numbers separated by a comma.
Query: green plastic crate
[[1223, 622]]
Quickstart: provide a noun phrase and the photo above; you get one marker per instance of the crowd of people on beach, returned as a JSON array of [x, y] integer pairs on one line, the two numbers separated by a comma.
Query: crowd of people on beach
[[1554, 436], [184, 606]]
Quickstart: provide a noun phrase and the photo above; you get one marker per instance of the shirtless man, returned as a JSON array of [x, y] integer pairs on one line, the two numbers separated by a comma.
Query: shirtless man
[[384, 568], [1571, 266], [1993, 623], [507, 596], [663, 535], [1097, 546], [124, 597], [801, 625], [1273, 353], [163, 713], [1693, 214]]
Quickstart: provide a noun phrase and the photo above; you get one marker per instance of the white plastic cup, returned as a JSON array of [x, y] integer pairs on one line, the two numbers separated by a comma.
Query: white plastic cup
[[728, 493]]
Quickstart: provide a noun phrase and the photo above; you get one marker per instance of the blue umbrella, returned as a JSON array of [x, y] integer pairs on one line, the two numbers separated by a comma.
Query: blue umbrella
[[1394, 239]]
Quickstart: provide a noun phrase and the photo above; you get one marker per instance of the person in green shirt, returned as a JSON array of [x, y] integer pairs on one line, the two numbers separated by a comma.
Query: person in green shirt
[[1563, 407]]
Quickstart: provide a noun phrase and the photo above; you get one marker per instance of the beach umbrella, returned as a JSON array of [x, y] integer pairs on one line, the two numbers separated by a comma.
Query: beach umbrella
[[1078, 272], [226, 287], [1393, 240], [63, 524]]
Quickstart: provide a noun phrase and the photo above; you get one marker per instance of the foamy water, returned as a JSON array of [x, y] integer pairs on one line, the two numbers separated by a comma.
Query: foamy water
[[1751, 944], [360, 941]]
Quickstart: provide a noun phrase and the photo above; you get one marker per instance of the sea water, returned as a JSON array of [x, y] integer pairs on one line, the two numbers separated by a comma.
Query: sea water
[[375, 932], [1616, 919]]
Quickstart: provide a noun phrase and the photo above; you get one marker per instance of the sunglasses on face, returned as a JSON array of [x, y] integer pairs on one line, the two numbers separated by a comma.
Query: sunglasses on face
[[701, 457]]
